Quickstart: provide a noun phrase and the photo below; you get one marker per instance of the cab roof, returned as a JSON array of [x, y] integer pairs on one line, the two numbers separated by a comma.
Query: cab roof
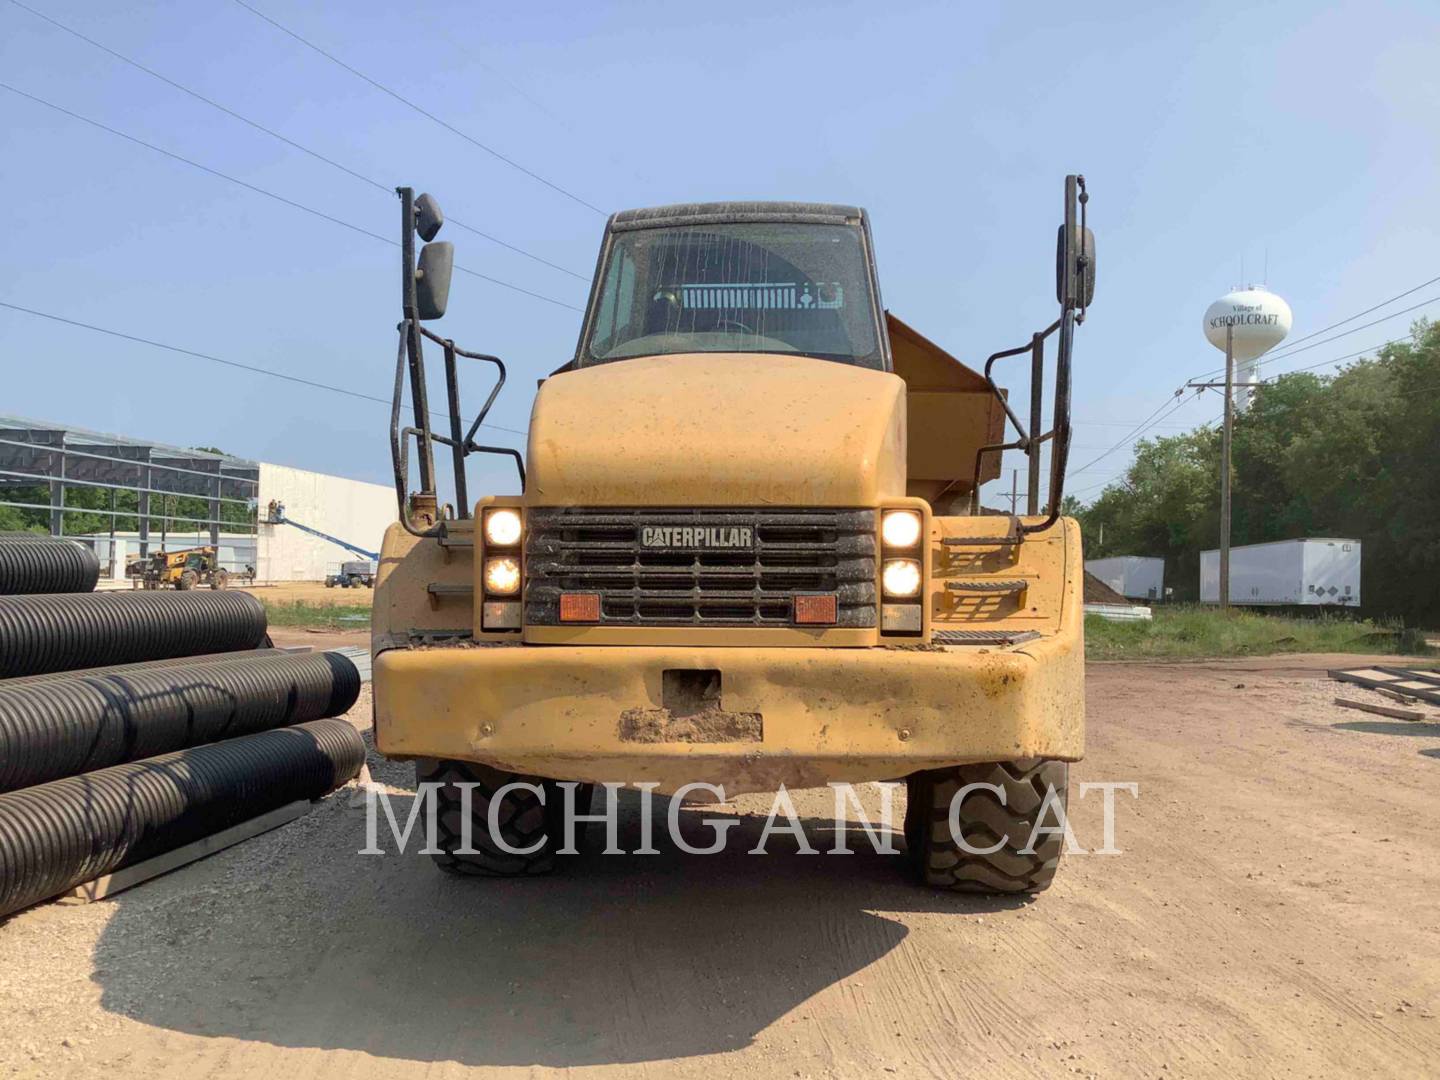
[[716, 213]]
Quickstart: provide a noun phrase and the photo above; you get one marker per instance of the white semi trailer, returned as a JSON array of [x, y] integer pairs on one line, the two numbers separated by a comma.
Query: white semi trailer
[[1138, 577], [1317, 572]]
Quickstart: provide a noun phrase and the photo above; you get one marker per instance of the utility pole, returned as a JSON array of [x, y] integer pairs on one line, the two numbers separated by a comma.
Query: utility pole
[[1225, 468], [1014, 489], [1225, 440]]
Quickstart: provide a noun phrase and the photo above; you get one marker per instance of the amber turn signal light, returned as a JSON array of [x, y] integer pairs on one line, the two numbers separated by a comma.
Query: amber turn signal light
[[579, 607], [816, 610]]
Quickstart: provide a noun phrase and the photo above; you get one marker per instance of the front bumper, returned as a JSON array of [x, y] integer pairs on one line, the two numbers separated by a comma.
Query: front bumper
[[824, 714]]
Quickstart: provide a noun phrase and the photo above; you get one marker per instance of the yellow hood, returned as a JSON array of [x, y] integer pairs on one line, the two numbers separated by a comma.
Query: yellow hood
[[717, 429]]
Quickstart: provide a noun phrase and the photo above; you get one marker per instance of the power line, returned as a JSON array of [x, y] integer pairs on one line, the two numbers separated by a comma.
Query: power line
[[272, 195], [216, 359], [1100, 484], [389, 189], [1120, 423], [1359, 314], [1353, 330], [1215, 420], [1332, 360], [1173, 405], [428, 115], [1290, 351], [1287, 349], [1218, 419], [1154, 420], [1147, 425]]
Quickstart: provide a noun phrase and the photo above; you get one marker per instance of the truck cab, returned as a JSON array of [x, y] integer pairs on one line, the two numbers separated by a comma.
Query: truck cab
[[788, 279], [748, 553]]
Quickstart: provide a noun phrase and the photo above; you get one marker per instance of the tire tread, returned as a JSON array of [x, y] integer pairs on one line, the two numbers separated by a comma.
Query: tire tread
[[984, 820]]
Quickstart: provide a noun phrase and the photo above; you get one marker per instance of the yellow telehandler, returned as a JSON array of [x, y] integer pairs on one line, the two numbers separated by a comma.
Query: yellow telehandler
[[748, 551], [181, 568]]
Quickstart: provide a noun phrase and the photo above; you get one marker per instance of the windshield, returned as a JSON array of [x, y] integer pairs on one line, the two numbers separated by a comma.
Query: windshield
[[762, 287]]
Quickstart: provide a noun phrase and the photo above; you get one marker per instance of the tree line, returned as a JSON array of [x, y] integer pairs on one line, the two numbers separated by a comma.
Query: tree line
[[1355, 454]]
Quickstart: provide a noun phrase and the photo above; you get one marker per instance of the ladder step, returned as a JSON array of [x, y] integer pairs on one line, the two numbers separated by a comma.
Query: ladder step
[[987, 586], [437, 590], [980, 541], [984, 637]]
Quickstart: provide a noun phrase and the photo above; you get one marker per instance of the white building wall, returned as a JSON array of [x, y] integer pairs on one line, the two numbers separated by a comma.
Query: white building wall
[[353, 510]]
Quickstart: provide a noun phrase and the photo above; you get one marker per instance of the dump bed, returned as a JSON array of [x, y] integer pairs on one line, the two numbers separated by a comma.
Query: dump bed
[[950, 414]]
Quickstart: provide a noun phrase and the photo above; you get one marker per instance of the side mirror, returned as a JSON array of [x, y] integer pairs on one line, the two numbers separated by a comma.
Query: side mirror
[[1077, 287], [428, 217], [432, 279]]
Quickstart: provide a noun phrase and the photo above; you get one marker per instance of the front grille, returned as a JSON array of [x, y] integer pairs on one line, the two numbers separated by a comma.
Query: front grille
[[709, 584]]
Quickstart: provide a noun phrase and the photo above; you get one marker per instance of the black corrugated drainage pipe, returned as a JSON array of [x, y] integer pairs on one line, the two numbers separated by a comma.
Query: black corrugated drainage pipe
[[150, 665], [58, 835], [62, 633], [51, 727], [30, 563]]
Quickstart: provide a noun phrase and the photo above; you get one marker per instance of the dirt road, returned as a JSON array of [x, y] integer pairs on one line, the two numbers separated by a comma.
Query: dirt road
[[312, 592], [1273, 914]]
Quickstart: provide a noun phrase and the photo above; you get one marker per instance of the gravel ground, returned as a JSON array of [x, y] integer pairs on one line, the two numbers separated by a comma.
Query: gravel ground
[[1273, 914]]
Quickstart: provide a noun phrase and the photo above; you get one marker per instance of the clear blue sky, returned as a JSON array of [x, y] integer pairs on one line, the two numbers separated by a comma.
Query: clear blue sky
[[1210, 134]]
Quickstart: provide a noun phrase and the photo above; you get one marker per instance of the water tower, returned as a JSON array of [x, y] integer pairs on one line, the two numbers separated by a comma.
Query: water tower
[[1244, 324], [1256, 320]]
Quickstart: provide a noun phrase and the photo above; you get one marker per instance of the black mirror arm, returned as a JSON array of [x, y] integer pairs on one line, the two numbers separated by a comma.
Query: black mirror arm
[[400, 437], [1082, 260], [1060, 426]]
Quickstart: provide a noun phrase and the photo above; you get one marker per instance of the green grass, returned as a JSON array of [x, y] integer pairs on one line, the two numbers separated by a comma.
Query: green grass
[[318, 616], [1183, 632]]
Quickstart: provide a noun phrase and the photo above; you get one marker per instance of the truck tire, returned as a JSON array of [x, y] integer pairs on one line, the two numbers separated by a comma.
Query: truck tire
[[524, 821], [220, 579], [984, 822], [187, 580]]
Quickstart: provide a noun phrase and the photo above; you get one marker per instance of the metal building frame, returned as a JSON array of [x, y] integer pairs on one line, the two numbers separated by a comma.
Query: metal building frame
[[61, 457]]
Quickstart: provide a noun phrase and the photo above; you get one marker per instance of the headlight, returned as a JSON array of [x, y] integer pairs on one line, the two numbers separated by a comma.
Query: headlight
[[901, 577], [502, 576], [502, 528], [900, 528]]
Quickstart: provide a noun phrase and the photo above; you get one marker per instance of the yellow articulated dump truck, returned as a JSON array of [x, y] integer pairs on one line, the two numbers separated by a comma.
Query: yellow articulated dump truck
[[748, 551]]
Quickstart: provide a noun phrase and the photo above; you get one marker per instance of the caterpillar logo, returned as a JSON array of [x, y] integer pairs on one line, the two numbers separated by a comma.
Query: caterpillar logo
[[697, 536]]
